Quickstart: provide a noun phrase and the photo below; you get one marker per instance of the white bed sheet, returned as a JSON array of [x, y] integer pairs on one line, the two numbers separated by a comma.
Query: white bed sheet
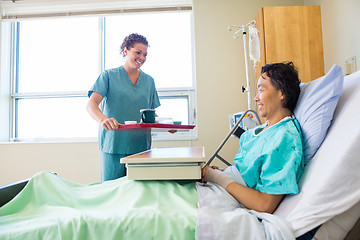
[[338, 227], [330, 184], [221, 217]]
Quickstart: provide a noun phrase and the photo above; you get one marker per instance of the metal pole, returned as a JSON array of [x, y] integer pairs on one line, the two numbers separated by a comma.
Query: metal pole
[[228, 136], [247, 70]]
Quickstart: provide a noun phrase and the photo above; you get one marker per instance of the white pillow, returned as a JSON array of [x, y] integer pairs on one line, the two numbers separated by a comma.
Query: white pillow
[[330, 184], [315, 108]]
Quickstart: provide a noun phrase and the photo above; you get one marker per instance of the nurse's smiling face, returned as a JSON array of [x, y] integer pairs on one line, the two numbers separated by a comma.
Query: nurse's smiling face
[[136, 56], [268, 99]]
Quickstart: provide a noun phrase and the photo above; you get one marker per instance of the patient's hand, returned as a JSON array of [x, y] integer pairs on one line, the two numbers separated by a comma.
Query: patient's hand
[[216, 167], [206, 167], [211, 174], [213, 167], [203, 172]]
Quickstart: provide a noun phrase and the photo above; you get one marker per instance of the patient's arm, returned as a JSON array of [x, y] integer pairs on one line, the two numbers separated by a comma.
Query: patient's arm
[[250, 198], [254, 199]]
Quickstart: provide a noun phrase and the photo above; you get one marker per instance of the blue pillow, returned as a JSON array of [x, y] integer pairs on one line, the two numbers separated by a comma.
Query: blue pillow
[[315, 108]]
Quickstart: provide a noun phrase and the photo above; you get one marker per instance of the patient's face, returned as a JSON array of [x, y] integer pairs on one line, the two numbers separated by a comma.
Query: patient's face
[[268, 99]]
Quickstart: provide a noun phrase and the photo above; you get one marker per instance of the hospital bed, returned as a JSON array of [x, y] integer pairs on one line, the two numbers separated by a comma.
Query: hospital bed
[[327, 207]]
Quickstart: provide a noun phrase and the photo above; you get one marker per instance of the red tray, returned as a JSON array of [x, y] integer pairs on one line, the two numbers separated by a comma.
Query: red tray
[[152, 127]]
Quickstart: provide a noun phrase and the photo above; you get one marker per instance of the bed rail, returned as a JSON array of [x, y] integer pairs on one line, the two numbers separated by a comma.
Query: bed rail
[[8, 192], [236, 130]]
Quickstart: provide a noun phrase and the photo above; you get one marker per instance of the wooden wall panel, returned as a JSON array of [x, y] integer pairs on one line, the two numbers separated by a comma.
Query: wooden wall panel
[[292, 34]]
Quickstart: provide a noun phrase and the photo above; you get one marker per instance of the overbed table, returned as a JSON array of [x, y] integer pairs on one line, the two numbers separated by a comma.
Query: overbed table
[[180, 163]]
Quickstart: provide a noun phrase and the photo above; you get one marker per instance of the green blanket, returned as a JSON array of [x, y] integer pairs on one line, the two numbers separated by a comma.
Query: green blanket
[[51, 207]]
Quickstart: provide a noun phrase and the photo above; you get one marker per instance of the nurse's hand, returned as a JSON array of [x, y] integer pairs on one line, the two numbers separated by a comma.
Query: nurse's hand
[[110, 124]]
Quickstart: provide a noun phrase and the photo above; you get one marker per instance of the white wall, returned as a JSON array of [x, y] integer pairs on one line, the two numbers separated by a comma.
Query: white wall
[[75, 161], [220, 73], [341, 30]]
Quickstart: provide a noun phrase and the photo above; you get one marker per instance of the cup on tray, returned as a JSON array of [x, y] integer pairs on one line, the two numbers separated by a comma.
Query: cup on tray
[[147, 115]]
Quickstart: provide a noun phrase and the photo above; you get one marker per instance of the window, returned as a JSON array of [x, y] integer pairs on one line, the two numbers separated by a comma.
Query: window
[[169, 53], [56, 60]]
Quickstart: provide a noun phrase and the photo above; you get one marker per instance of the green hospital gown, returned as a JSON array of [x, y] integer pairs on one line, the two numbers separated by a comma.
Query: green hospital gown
[[272, 161], [123, 101]]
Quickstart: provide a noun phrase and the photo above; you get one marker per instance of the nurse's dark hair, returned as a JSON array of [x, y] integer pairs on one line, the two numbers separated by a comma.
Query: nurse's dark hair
[[284, 77], [130, 40]]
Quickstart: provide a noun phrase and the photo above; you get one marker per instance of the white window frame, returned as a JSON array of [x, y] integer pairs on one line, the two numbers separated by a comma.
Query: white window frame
[[189, 93], [180, 134]]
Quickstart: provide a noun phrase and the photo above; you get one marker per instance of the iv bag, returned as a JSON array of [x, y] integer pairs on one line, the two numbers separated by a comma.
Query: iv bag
[[254, 44]]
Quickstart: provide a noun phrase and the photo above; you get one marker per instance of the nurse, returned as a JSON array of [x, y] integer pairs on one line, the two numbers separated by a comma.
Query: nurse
[[124, 91], [270, 159]]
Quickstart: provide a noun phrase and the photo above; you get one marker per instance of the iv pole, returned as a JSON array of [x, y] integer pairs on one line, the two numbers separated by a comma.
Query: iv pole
[[243, 30], [247, 89]]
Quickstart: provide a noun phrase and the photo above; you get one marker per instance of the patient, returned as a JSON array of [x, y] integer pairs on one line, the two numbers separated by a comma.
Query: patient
[[270, 159]]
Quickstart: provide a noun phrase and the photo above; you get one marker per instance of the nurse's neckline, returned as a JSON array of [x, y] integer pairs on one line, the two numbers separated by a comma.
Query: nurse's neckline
[[133, 81]]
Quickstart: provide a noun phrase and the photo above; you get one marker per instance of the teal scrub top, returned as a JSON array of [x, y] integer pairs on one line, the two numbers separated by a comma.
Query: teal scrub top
[[123, 101], [272, 161]]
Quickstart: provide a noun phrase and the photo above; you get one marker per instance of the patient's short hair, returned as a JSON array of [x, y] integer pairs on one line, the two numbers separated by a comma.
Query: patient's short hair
[[284, 77], [130, 40]]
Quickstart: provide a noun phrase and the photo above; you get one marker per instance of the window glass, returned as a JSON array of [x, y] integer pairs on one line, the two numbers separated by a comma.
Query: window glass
[[57, 60], [58, 54], [169, 36], [54, 118], [174, 108]]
